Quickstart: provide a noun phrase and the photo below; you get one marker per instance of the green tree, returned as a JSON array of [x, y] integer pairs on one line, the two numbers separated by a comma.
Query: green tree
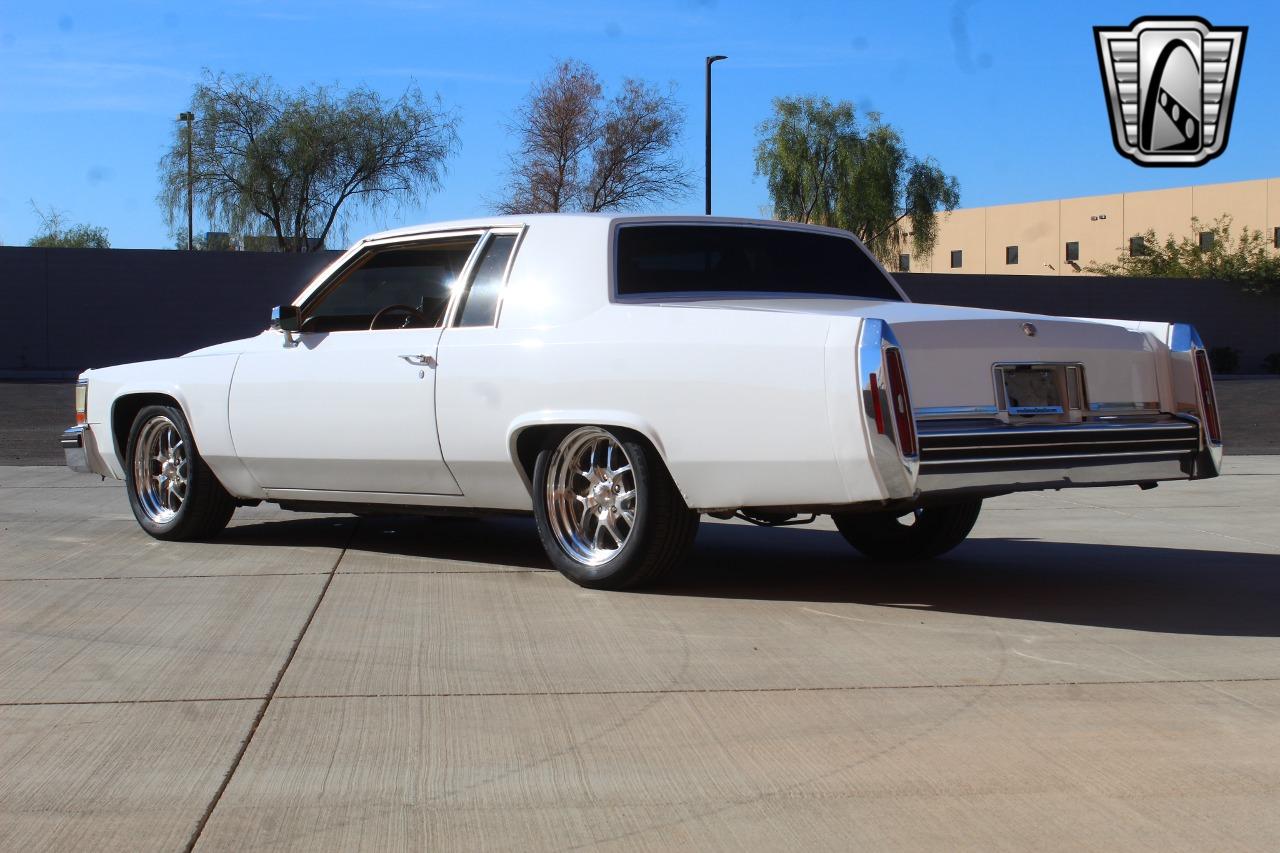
[[1246, 259], [825, 167], [56, 233], [296, 163]]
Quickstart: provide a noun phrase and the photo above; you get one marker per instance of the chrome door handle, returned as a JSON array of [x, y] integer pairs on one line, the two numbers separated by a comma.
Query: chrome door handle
[[420, 360]]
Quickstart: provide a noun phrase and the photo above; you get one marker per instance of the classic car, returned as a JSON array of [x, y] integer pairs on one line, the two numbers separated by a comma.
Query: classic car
[[621, 376]]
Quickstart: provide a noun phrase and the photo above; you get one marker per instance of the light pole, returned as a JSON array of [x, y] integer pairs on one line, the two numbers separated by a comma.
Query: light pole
[[189, 117], [710, 60]]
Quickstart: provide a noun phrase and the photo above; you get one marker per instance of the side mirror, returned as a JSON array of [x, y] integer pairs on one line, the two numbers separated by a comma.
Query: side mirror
[[286, 318]]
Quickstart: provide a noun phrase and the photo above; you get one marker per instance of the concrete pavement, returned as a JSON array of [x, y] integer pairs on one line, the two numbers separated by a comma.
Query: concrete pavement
[[1094, 669]]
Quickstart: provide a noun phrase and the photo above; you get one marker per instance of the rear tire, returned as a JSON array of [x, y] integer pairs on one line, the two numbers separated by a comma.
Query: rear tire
[[172, 492], [609, 515], [926, 533]]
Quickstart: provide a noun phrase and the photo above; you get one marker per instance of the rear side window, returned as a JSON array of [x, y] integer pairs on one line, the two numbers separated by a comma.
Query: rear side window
[[741, 259], [480, 305]]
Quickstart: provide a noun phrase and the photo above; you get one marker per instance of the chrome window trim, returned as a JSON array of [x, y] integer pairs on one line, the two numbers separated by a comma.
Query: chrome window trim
[[372, 247], [455, 310], [774, 225]]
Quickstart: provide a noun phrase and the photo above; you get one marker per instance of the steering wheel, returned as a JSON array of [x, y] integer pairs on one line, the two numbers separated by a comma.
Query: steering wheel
[[408, 309]]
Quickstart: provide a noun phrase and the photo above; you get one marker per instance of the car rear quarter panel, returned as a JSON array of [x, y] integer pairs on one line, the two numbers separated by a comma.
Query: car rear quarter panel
[[735, 401]]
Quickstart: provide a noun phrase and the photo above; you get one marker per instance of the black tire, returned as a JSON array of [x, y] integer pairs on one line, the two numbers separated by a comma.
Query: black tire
[[928, 532], [662, 534], [205, 508]]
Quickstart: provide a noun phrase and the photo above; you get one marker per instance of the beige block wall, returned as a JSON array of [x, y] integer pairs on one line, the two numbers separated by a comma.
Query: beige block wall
[[965, 230], [1101, 224], [1273, 208], [1033, 228], [1097, 224], [1164, 211], [1246, 202]]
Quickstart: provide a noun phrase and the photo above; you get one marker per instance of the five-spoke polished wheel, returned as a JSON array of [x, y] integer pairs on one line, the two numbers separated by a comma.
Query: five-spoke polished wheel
[[172, 492], [609, 514]]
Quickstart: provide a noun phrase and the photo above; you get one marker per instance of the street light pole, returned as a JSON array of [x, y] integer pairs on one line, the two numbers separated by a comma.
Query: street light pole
[[189, 117], [710, 60]]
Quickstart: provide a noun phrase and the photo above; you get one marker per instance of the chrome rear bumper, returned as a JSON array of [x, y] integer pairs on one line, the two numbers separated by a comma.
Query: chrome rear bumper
[[991, 456]]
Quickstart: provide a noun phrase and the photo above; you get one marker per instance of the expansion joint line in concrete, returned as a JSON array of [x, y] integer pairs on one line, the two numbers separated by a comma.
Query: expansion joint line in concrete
[[266, 702]]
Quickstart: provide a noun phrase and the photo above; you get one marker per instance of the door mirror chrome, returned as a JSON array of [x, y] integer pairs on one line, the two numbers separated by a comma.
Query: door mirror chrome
[[286, 318]]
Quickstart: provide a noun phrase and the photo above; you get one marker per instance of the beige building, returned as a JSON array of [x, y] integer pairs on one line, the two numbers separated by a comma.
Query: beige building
[[1061, 237]]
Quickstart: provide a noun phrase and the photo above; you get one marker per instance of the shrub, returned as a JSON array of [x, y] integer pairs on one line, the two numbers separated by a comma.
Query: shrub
[[1271, 364], [1224, 359]]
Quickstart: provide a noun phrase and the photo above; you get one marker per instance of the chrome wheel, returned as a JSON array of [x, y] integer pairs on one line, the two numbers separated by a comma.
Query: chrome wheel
[[161, 467], [591, 496]]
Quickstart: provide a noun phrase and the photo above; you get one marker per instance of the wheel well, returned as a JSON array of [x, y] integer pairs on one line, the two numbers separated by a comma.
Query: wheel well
[[531, 440], [126, 408]]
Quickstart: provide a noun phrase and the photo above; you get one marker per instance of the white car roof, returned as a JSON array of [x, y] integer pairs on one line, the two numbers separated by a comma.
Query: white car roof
[[593, 219]]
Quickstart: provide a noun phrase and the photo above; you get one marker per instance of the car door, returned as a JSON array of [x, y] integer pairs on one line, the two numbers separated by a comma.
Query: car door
[[348, 403]]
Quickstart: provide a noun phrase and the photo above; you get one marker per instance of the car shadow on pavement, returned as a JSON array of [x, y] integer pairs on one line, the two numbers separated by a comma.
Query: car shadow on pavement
[[1141, 588], [509, 541]]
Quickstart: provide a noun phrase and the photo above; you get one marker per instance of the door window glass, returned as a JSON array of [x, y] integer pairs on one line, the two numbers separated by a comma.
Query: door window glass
[[420, 278], [480, 305]]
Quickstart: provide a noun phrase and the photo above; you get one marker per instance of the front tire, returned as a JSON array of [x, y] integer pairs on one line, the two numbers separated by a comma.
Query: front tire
[[923, 534], [608, 513], [172, 492]]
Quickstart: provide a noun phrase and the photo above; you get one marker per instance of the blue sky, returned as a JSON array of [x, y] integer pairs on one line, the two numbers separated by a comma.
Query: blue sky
[[1005, 95]]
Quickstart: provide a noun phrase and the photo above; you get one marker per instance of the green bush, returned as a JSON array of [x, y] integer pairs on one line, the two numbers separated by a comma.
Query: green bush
[[1271, 364]]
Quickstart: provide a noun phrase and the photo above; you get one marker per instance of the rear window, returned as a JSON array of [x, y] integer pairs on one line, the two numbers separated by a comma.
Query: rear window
[[737, 259]]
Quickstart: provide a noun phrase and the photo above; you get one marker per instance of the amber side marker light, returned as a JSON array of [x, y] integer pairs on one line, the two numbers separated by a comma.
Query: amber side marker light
[[1212, 427], [82, 402]]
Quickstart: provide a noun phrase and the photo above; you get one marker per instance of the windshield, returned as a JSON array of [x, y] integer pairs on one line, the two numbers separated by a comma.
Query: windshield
[[742, 259]]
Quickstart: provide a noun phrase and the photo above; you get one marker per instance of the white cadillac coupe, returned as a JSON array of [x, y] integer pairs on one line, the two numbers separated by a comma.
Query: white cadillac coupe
[[620, 376]]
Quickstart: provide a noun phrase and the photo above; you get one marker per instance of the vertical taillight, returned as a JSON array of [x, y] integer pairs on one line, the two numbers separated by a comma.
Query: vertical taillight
[[1212, 427], [900, 400], [82, 403], [876, 408]]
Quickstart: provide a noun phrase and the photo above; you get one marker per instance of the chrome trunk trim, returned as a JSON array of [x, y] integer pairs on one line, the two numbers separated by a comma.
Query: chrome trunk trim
[[897, 472], [1184, 341], [991, 455], [948, 411]]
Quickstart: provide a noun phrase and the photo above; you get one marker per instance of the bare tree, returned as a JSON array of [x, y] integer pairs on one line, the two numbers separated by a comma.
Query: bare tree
[[580, 152], [295, 162]]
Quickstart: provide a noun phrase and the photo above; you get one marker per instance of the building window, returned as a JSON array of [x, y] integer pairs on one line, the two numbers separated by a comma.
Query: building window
[[1010, 254], [1073, 251], [1206, 241], [904, 263], [957, 256], [1137, 247]]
